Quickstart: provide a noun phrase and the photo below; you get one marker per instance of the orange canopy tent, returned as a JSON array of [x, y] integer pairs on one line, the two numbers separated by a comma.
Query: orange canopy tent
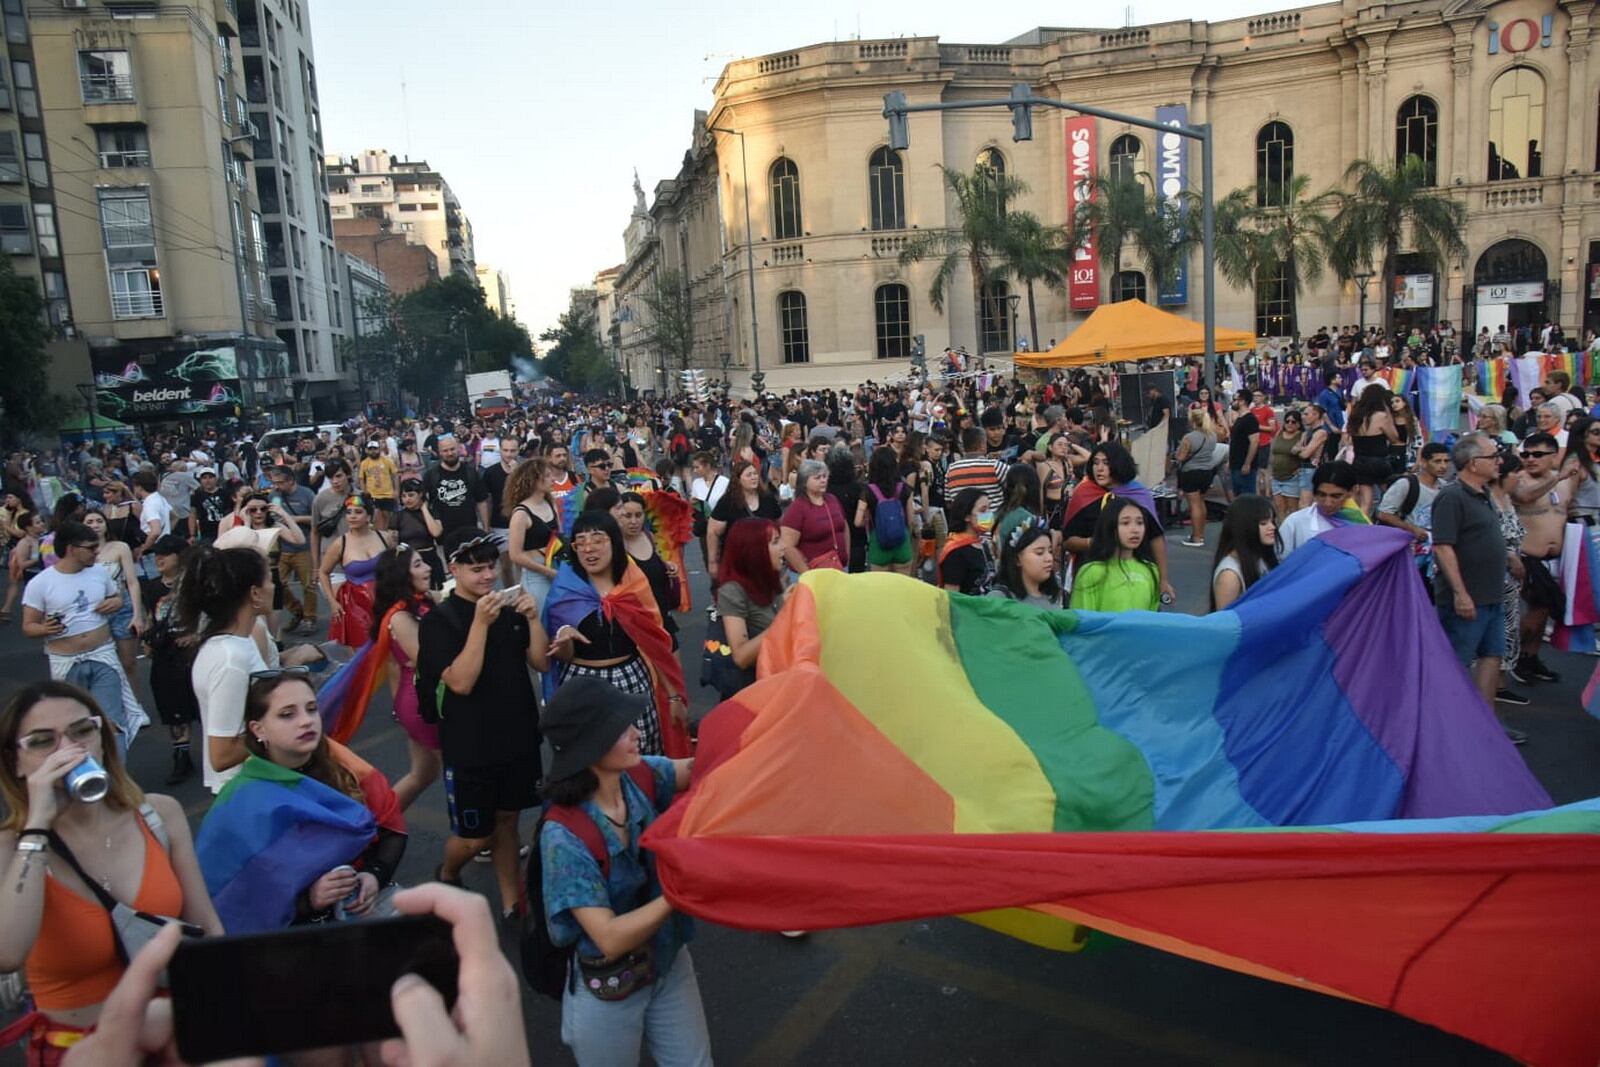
[[1131, 330]]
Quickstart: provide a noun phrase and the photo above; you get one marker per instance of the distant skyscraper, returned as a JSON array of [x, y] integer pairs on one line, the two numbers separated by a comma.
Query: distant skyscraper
[[496, 285]]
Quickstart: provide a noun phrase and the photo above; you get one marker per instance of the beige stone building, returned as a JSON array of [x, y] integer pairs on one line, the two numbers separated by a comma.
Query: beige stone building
[[496, 286], [143, 133], [412, 197], [1500, 100]]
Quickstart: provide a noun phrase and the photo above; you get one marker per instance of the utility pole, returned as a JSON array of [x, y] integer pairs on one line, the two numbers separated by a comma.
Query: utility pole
[[757, 379]]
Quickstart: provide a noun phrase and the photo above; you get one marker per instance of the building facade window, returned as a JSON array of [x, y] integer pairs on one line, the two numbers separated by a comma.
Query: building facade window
[[5, 89], [44, 229], [886, 188], [1129, 285], [891, 306], [107, 76], [27, 94], [1122, 165], [55, 297], [123, 146], [793, 329], [991, 159], [136, 293], [10, 160], [15, 237], [33, 150], [128, 232], [1274, 164], [995, 317], [1275, 305], [785, 189], [1516, 125], [16, 16], [1416, 133]]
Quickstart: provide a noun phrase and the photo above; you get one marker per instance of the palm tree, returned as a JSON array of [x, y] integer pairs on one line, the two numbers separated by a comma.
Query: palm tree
[[1032, 252], [1165, 234], [974, 240], [1255, 243], [1113, 214], [1389, 202]]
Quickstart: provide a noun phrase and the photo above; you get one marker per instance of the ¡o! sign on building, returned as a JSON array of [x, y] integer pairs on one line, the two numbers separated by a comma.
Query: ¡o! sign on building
[[1520, 35]]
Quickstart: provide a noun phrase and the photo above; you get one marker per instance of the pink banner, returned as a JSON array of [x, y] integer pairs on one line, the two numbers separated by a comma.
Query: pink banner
[[1084, 285]]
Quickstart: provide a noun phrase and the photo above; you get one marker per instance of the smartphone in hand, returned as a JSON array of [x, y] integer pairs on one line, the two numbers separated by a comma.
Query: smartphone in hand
[[319, 986]]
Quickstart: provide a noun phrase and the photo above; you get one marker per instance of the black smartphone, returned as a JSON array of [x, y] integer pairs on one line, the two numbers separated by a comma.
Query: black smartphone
[[317, 986]]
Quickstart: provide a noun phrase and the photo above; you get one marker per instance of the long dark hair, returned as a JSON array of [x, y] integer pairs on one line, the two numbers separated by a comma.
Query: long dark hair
[[391, 584], [321, 766], [1010, 571], [1373, 399], [1576, 446], [1104, 545], [588, 521], [883, 470], [1023, 489], [214, 584], [1241, 537], [1119, 461]]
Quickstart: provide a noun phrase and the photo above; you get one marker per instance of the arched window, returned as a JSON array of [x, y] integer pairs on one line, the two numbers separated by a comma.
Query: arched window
[[991, 158], [995, 317], [1416, 133], [1509, 262], [1129, 285], [785, 177], [1123, 163], [1516, 125], [1274, 164], [891, 307], [1275, 305], [793, 329], [886, 188]]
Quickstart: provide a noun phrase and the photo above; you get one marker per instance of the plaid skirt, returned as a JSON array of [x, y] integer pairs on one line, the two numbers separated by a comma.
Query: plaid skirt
[[630, 677]]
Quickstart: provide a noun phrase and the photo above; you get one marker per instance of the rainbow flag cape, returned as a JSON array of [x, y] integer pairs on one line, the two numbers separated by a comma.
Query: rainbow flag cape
[[1580, 580], [271, 833], [638, 479], [567, 504], [343, 698], [1117, 771]]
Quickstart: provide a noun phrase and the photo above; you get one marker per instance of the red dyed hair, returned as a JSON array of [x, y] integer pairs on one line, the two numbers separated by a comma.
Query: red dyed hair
[[747, 560]]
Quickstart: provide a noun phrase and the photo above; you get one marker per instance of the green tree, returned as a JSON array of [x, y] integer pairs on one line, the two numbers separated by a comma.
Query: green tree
[[1255, 243], [26, 402], [975, 239], [445, 329], [575, 357], [1033, 252], [1114, 214], [671, 326], [1390, 206]]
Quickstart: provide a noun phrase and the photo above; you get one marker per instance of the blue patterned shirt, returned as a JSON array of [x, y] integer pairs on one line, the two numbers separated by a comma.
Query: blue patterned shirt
[[572, 878]]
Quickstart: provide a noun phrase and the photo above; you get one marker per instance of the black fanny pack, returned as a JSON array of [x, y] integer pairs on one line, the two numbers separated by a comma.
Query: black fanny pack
[[620, 978]]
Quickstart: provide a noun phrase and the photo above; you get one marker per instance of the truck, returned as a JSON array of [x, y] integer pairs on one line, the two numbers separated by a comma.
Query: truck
[[489, 393]]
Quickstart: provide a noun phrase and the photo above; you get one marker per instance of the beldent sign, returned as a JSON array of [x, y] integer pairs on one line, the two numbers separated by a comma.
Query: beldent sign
[[1083, 286]]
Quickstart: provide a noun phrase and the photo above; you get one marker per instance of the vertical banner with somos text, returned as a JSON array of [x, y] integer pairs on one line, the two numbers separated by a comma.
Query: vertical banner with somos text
[[1084, 285], [1172, 178]]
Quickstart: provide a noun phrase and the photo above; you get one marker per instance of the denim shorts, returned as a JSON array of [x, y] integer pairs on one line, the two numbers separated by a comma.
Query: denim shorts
[[122, 621], [1472, 639], [1293, 487]]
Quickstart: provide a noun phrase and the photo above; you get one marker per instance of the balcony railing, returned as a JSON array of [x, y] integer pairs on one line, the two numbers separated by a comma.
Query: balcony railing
[[133, 158], [136, 305], [1501, 196], [371, 194], [889, 245], [792, 253], [107, 88]]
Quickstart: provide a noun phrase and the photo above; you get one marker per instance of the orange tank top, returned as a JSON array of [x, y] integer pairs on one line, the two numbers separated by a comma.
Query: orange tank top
[[74, 960]]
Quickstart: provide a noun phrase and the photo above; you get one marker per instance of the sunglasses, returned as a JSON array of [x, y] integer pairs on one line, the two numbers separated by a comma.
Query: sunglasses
[[280, 672], [39, 742], [1536, 455]]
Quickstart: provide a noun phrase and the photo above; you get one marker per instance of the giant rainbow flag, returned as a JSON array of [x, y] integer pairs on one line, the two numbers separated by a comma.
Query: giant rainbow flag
[[910, 753]]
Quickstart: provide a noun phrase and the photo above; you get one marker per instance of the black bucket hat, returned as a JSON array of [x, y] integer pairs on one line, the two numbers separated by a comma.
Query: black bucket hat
[[583, 720]]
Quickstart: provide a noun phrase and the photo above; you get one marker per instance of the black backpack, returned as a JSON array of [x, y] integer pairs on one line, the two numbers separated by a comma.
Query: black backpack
[[1413, 494], [545, 964], [431, 688]]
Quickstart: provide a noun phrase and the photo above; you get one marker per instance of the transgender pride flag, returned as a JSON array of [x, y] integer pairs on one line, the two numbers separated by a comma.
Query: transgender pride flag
[[1439, 390]]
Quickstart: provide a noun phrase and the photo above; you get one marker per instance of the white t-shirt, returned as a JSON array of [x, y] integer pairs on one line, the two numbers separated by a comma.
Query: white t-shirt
[[709, 492], [1299, 528], [221, 677], [154, 507], [74, 595]]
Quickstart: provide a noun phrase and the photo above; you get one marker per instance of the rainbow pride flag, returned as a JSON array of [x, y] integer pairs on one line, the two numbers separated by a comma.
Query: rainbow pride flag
[[1117, 771]]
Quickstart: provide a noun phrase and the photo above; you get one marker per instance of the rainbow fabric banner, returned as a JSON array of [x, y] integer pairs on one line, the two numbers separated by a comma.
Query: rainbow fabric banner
[[1439, 408], [1115, 771]]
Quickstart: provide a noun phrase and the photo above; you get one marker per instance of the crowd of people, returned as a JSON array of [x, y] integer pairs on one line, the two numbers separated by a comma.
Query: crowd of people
[[506, 576]]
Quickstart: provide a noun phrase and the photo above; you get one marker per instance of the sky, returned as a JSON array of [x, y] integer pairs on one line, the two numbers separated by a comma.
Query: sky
[[538, 113]]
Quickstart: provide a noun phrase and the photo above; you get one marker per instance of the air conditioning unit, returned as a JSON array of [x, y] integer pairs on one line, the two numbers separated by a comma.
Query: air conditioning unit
[[253, 130]]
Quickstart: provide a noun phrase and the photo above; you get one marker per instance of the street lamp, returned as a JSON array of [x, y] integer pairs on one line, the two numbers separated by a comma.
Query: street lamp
[[895, 109], [1014, 299], [1361, 279], [91, 400], [756, 378]]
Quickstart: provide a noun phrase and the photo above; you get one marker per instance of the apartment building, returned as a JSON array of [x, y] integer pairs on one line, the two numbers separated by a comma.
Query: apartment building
[[412, 197], [496, 286], [29, 224], [303, 263], [367, 293], [141, 135]]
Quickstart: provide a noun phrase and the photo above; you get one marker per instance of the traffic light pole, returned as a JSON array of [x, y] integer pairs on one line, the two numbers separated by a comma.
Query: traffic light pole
[[1020, 104], [757, 379]]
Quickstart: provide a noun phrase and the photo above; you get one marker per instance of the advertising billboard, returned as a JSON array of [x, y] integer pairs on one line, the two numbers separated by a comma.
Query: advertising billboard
[[1083, 287], [1172, 178]]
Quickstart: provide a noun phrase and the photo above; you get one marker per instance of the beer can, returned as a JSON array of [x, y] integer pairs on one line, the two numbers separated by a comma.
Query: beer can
[[87, 782]]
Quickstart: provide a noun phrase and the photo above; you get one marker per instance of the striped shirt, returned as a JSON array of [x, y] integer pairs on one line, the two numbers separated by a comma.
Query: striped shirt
[[977, 472]]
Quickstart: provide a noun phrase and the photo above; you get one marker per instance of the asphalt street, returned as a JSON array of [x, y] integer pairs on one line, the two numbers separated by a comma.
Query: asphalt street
[[947, 992]]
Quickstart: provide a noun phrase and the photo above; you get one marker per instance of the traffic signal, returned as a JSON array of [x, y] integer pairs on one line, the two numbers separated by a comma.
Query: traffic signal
[[1021, 113], [893, 110]]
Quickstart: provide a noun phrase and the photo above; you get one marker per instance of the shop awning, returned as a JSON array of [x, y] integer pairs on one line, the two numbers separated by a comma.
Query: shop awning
[[1132, 330]]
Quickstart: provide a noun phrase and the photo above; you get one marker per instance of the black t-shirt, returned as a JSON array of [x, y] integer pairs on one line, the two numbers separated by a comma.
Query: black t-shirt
[[967, 568], [494, 483], [1245, 429], [498, 722], [452, 495], [731, 508], [1159, 409], [209, 510]]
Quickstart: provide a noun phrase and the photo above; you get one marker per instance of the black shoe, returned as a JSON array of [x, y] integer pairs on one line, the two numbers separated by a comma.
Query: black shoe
[[1520, 674], [1509, 696], [1535, 667], [1516, 737], [182, 766]]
